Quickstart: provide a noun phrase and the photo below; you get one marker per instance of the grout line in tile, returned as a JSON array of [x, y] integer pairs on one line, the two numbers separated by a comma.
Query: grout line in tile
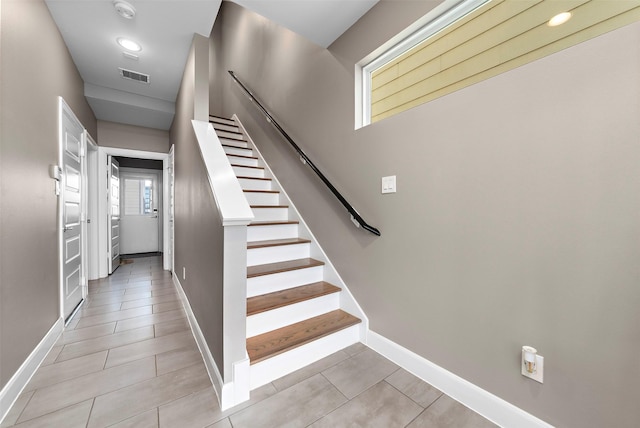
[[25, 406], [385, 380], [93, 402]]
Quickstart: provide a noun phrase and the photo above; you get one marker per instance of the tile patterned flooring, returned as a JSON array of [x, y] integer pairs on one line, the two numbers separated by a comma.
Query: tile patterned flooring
[[128, 359]]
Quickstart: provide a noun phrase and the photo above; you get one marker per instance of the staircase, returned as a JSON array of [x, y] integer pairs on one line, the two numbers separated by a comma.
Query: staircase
[[294, 316]]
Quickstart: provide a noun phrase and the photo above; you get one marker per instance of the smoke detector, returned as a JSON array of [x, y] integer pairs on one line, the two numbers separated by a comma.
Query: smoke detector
[[124, 9]]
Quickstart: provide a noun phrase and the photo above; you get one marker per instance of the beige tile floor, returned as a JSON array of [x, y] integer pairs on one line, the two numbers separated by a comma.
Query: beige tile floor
[[128, 359]]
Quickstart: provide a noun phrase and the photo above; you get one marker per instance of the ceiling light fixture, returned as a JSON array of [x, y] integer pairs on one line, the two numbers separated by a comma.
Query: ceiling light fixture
[[559, 19], [124, 9], [129, 45]]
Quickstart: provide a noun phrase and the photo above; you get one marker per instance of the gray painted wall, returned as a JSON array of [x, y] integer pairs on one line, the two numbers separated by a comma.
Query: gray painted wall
[[123, 136], [516, 220], [198, 227], [36, 68]]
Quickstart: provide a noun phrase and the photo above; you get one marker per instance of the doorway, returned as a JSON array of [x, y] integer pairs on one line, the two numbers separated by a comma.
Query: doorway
[[102, 208]]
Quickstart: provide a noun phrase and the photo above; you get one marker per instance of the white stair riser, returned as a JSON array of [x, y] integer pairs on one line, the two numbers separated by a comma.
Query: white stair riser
[[234, 143], [265, 233], [221, 127], [248, 172], [281, 281], [242, 161], [237, 151], [230, 135], [280, 253], [222, 120], [262, 198], [291, 314], [270, 214], [287, 362], [249, 184]]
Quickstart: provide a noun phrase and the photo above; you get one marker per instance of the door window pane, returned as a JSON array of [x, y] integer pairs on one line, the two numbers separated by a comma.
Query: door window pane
[[138, 196]]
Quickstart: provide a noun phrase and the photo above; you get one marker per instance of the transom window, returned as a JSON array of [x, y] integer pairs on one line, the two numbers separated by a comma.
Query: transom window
[[462, 42]]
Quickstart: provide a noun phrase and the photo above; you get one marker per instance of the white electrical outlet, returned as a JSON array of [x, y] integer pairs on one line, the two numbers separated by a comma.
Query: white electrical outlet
[[184, 273], [538, 372], [389, 184]]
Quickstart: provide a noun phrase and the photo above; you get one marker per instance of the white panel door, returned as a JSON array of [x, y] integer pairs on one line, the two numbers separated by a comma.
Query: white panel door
[[71, 183], [114, 213], [139, 202]]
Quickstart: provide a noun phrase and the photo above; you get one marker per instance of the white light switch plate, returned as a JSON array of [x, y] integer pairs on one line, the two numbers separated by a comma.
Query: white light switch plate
[[389, 184]]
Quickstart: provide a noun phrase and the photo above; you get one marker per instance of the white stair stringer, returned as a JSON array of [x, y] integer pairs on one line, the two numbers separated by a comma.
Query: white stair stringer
[[276, 218]]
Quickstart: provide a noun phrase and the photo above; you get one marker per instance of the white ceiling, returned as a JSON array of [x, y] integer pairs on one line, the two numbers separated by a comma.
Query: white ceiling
[[164, 29]]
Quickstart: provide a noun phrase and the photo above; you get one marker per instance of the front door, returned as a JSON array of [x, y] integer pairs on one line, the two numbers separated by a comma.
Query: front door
[[139, 224], [71, 185], [114, 213]]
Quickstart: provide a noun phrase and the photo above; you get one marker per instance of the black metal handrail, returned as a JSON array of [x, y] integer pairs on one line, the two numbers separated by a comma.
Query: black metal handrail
[[355, 217]]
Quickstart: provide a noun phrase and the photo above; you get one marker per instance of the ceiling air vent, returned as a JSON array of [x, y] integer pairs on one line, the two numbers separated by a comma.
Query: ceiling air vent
[[134, 75]]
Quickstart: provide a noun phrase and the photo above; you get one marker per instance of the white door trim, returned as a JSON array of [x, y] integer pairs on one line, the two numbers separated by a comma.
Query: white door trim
[[92, 207], [169, 183], [103, 152]]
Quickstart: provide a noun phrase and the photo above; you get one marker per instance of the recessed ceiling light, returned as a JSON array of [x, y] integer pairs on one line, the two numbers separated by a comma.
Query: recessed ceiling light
[[124, 9], [129, 45], [559, 19]]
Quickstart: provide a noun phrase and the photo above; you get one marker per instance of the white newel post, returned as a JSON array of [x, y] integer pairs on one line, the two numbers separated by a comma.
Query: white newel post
[[236, 360]]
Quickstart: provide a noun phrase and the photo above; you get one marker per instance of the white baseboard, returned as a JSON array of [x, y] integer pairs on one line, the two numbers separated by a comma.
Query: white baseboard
[[226, 392], [477, 399], [22, 376]]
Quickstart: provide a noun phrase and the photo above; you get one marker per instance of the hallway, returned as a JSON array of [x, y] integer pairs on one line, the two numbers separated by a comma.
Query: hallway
[[128, 359]]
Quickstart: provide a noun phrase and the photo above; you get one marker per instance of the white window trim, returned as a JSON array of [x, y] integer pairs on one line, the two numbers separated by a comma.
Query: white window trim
[[439, 18]]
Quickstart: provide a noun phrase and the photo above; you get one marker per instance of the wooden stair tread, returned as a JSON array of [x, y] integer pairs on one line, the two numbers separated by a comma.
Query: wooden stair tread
[[278, 267], [260, 191], [279, 299], [226, 130], [221, 120], [236, 147], [242, 156], [276, 243], [253, 178], [272, 223], [276, 342], [247, 166], [232, 139]]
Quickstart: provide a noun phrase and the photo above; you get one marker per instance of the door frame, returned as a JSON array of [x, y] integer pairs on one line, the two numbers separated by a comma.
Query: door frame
[[62, 108], [102, 213], [171, 207], [91, 207]]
